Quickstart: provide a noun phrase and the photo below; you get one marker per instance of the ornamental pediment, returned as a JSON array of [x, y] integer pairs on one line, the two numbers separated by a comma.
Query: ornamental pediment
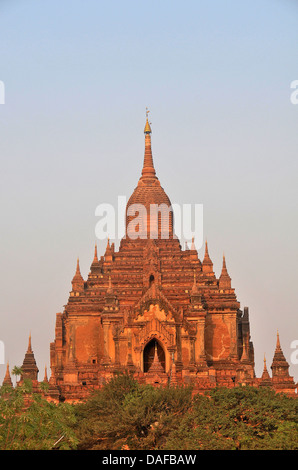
[[152, 297]]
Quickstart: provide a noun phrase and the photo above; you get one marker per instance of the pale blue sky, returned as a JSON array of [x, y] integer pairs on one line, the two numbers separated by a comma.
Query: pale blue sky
[[216, 76]]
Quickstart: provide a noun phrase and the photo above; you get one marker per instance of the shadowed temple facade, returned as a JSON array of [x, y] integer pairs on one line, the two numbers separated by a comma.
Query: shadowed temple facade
[[154, 310]]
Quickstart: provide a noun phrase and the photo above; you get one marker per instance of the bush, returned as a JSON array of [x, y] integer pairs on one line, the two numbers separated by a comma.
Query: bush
[[126, 415], [29, 422]]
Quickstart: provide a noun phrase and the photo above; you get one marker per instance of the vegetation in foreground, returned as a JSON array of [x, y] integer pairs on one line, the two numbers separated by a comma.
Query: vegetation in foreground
[[127, 415], [29, 422]]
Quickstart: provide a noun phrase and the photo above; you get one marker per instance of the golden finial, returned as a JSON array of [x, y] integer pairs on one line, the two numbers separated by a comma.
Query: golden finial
[[147, 129]]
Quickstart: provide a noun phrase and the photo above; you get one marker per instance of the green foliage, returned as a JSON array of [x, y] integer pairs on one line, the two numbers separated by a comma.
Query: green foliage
[[29, 422], [240, 418], [139, 419], [127, 415]]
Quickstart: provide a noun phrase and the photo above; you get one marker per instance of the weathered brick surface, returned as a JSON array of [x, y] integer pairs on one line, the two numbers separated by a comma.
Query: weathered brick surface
[[153, 295]]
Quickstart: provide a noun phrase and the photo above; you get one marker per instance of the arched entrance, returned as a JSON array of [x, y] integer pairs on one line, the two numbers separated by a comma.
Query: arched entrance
[[149, 352]]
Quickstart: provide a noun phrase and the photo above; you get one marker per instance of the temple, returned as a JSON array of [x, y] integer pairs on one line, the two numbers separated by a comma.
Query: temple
[[154, 310]]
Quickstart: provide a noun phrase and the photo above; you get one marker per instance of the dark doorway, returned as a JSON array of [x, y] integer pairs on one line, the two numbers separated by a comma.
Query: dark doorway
[[151, 280], [149, 352]]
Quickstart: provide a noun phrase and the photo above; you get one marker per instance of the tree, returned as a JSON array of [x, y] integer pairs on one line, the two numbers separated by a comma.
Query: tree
[[127, 415], [17, 371], [29, 422], [239, 418]]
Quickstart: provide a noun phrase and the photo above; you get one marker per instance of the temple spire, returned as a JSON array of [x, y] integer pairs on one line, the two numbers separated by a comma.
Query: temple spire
[[29, 349], [277, 341], [147, 129], [193, 255], [78, 271], [265, 380], [156, 366], [77, 280], [95, 268], [206, 259], [45, 375], [108, 253], [95, 259], [7, 379], [279, 357], [148, 166], [29, 367], [278, 346], [207, 264], [224, 279], [281, 379]]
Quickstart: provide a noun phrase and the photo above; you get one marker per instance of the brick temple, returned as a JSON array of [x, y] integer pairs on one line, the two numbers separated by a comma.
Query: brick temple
[[156, 311]]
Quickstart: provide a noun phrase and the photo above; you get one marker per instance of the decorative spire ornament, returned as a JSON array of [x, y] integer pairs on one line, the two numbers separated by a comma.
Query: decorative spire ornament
[[7, 379], [148, 166], [224, 279], [78, 281], [29, 367], [45, 375], [95, 268], [265, 379], [108, 253], [207, 265]]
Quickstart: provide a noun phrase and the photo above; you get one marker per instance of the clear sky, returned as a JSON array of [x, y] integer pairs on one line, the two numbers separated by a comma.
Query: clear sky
[[216, 77]]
